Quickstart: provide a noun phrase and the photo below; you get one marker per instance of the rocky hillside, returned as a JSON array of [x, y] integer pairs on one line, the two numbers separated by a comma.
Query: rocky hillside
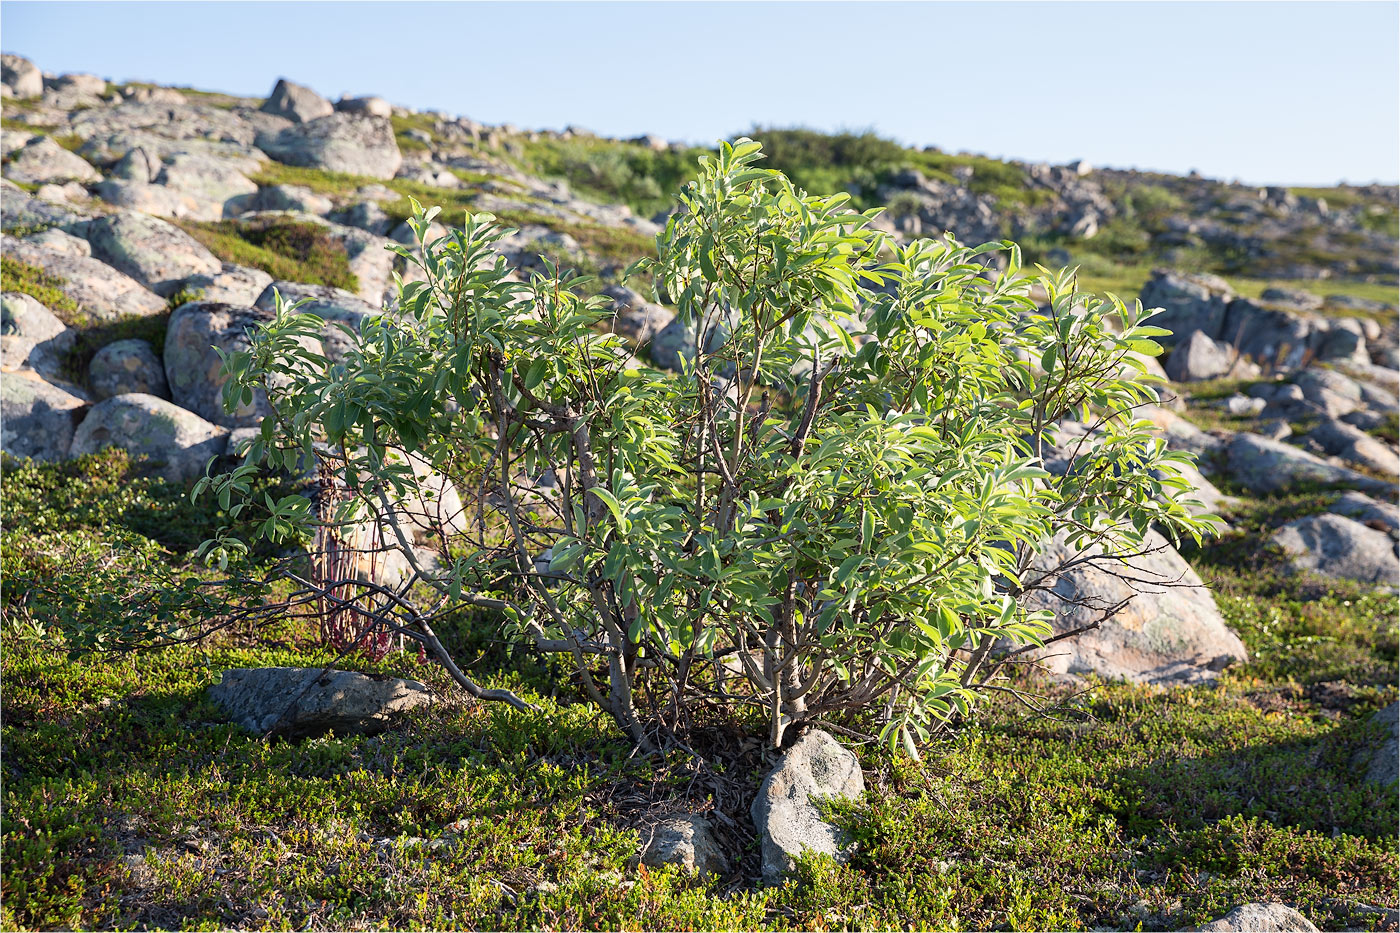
[[146, 228]]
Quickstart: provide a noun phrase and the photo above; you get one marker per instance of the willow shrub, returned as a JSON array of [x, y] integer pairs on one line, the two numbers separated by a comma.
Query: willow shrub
[[828, 514]]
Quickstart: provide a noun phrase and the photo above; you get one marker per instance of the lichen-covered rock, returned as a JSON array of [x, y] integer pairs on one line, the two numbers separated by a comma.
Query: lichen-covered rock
[[125, 367], [139, 165], [295, 102], [213, 187], [1262, 465], [26, 316], [1170, 630], [299, 702], [335, 306], [192, 366], [19, 212], [232, 285], [290, 198], [44, 160], [352, 143], [1260, 918], [1353, 444], [156, 254], [36, 418], [1336, 546], [177, 444], [60, 241], [685, 841], [99, 291], [1190, 303], [1379, 516], [156, 200], [785, 811]]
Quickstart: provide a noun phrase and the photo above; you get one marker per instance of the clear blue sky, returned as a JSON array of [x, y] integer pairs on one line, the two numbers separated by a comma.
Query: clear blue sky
[[1268, 92]]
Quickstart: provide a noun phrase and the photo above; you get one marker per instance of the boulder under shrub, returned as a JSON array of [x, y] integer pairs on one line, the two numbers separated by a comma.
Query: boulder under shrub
[[298, 702], [785, 811]]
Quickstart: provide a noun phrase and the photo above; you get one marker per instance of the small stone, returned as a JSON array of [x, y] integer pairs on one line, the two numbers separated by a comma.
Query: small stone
[[785, 810], [1260, 918], [685, 841]]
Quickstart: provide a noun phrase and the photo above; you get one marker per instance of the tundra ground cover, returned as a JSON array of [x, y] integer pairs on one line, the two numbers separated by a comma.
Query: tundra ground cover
[[126, 803]]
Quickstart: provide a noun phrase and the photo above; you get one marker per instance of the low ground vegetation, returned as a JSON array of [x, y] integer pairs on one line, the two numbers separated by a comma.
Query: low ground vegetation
[[126, 803]]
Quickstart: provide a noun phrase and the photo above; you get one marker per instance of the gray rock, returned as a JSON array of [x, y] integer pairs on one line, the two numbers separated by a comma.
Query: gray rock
[[299, 702], [1333, 393], [1261, 465], [32, 337], [1199, 357], [60, 242], [192, 366], [232, 284], [685, 841], [1260, 918], [1188, 302], [66, 193], [1275, 430], [156, 200], [100, 292], [1335, 546], [156, 254], [44, 160], [36, 418], [785, 811], [1351, 443], [429, 173], [1242, 405], [1294, 299], [215, 187], [1344, 340], [125, 367], [335, 306], [342, 142], [1274, 338], [20, 77], [290, 198], [139, 165], [80, 85], [176, 444], [1384, 767], [367, 216], [295, 102], [1378, 516], [636, 318], [371, 106], [1170, 631], [22, 212]]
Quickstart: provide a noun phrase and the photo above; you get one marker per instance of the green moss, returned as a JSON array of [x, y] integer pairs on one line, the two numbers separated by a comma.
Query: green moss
[[1136, 807], [88, 338], [298, 252], [16, 276]]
